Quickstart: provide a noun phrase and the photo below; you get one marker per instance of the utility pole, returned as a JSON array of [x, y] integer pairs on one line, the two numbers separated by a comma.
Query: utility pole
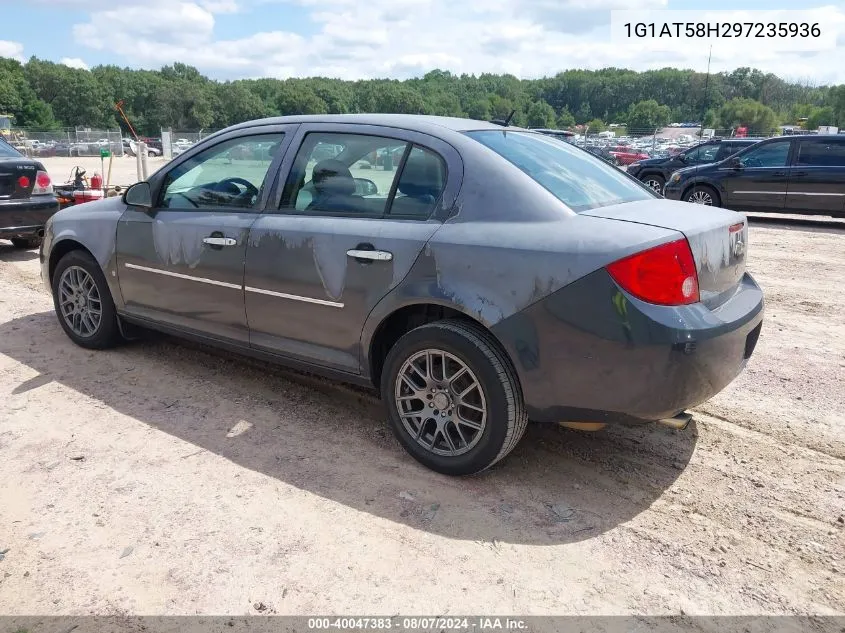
[[706, 84]]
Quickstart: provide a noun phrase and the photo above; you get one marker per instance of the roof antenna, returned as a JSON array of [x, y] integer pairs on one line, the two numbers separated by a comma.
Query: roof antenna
[[506, 122]]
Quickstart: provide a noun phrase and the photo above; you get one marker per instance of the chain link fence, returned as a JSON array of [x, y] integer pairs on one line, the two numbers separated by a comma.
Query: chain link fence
[[66, 142], [174, 142]]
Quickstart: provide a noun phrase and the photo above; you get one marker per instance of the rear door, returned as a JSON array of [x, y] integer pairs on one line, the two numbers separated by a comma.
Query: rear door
[[356, 205], [181, 263], [817, 177], [758, 181]]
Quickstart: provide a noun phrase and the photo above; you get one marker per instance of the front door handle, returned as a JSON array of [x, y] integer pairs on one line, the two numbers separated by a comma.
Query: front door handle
[[220, 241], [779, 174], [376, 256], [799, 173]]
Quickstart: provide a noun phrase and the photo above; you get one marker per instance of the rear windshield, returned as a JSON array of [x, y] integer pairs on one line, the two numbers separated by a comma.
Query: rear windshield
[[7, 151], [573, 176]]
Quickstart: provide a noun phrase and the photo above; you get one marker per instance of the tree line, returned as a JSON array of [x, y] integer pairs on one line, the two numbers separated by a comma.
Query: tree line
[[44, 95]]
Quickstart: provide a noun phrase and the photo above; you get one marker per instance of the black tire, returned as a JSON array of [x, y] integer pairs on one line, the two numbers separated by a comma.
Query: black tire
[[702, 192], [476, 348], [107, 334], [655, 182], [26, 242]]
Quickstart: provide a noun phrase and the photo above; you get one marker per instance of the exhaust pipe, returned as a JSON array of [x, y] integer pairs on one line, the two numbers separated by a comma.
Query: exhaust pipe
[[678, 422]]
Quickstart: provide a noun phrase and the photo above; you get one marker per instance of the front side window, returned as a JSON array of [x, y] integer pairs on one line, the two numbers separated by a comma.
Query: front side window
[[821, 153], [229, 174], [340, 174], [701, 154], [573, 176], [768, 155]]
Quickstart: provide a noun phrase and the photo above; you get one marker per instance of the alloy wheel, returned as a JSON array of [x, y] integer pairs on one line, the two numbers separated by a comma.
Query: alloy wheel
[[441, 402], [656, 185], [79, 302], [700, 197]]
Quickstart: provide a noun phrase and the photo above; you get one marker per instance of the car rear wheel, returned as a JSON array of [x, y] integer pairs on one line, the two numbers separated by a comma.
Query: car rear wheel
[[25, 242], [702, 194], [452, 397], [655, 182], [84, 303]]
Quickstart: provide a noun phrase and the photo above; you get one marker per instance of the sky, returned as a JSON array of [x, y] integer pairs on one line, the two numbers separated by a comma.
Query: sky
[[360, 39]]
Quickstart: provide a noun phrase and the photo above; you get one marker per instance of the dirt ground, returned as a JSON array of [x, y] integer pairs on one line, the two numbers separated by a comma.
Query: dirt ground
[[160, 478]]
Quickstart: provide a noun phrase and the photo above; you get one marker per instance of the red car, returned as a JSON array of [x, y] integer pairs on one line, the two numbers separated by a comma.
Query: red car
[[626, 155]]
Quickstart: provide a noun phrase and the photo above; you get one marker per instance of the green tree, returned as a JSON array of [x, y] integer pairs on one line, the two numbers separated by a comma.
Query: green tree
[[820, 116], [541, 114], [758, 118], [647, 116], [710, 120], [565, 119], [596, 126], [479, 109]]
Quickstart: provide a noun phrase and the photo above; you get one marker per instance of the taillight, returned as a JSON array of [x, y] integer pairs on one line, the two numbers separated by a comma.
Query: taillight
[[42, 183], [664, 275], [23, 182]]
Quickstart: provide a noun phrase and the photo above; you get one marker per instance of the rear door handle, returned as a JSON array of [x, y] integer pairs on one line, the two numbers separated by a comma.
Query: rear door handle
[[779, 174], [377, 256], [220, 241], [799, 173]]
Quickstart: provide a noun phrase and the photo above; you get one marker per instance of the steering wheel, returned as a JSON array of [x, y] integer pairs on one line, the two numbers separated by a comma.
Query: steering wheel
[[248, 186]]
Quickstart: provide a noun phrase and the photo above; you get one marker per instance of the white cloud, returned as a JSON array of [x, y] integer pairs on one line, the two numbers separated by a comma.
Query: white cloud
[[11, 49], [74, 62], [400, 38]]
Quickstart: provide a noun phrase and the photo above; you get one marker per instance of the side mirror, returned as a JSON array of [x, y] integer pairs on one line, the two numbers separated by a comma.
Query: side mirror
[[734, 163], [682, 158], [139, 195], [365, 187]]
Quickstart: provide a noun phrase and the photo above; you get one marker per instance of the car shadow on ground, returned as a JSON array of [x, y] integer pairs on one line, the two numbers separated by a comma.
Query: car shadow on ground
[[9, 253], [558, 486]]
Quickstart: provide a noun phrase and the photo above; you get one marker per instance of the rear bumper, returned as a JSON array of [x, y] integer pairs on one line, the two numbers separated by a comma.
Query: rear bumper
[[24, 218], [592, 353]]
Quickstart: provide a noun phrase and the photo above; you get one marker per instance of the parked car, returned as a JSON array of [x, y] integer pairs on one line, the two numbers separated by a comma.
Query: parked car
[[495, 275], [654, 172], [625, 155], [26, 198], [794, 174]]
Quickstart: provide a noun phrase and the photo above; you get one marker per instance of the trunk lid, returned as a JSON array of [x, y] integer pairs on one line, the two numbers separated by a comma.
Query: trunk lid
[[717, 237], [11, 171]]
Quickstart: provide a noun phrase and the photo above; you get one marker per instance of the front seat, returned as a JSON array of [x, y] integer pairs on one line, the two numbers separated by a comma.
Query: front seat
[[333, 186], [420, 185]]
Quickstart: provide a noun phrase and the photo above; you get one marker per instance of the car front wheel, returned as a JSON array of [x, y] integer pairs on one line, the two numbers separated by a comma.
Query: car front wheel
[[701, 194], [84, 303], [452, 397], [654, 182]]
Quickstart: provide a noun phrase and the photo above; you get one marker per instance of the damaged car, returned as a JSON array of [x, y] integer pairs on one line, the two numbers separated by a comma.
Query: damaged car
[[487, 276]]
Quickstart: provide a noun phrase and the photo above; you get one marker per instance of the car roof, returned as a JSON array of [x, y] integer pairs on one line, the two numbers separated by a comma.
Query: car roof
[[414, 122]]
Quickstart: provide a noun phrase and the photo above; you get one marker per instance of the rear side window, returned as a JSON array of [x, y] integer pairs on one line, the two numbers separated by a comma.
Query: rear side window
[[573, 176], [821, 153], [7, 151], [420, 185]]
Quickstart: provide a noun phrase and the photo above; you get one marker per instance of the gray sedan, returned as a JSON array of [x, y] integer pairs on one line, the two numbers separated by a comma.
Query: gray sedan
[[476, 275]]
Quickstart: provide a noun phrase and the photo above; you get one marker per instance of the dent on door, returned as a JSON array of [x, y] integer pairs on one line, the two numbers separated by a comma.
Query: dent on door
[[306, 296]]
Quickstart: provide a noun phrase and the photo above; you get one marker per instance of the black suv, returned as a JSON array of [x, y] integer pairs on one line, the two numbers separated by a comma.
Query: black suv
[[794, 174], [656, 171], [26, 198]]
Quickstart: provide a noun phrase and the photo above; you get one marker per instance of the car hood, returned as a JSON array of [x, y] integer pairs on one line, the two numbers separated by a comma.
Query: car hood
[[652, 161]]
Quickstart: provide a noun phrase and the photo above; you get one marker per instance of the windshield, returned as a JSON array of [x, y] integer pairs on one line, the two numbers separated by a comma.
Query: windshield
[[7, 151], [575, 177]]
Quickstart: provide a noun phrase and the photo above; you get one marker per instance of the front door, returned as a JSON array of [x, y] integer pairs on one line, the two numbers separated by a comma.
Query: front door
[[758, 181], [181, 263], [354, 213], [817, 178]]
